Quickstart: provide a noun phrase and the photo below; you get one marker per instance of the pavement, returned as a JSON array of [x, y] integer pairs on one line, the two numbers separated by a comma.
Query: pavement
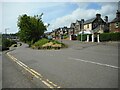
[[82, 65]]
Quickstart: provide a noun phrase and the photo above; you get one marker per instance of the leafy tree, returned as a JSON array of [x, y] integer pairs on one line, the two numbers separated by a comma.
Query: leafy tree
[[30, 28]]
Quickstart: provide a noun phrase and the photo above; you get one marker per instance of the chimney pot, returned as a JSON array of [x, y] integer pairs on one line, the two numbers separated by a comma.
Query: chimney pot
[[117, 14], [106, 18], [82, 20], [98, 15]]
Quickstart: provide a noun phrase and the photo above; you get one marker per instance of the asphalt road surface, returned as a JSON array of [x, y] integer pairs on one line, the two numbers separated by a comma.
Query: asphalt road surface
[[86, 65], [12, 77]]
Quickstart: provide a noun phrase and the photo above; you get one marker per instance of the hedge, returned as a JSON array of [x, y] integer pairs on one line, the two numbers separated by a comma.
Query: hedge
[[84, 37], [103, 37], [6, 43], [110, 37]]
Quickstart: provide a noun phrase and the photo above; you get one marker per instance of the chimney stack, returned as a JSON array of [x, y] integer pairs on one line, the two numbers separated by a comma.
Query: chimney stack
[[98, 15], [106, 19], [118, 14], [82, 21]]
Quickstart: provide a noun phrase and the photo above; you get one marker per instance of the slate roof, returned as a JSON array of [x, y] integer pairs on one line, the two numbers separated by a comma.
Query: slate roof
[[73, 24], [78, 21], [89, 21], [115, 20]]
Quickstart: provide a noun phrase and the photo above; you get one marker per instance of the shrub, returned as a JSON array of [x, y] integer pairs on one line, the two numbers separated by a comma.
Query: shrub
[[48, 44], [51, 45], [105, 37], [65, 37], [12, 42], [57, 42], [54, 42], [110, 37], [115, 36], [6, 43], [41, 42], [84, 37]]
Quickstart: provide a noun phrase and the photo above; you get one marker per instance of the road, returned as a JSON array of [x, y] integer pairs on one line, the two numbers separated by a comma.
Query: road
[[12, 77], [86, 65]]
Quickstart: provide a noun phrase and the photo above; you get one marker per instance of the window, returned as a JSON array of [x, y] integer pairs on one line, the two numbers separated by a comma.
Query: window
[[116, 25], [88, 26]]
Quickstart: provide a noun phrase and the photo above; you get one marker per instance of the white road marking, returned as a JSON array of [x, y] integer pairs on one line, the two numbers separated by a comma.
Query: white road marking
[[37, 75], [101, 64]]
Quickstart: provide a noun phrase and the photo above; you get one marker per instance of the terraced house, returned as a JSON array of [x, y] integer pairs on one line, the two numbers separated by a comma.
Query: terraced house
[[94, 26], [115, 23]]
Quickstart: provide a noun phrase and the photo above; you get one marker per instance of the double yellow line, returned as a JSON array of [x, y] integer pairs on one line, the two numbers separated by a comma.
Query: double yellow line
[[35, 74]]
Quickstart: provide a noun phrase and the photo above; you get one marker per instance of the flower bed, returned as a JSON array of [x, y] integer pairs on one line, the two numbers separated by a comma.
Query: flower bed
[[48, 44]]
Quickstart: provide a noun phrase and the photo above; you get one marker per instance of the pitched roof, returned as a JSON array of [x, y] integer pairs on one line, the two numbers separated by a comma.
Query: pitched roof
[[89, 21], [78, 21], [73, 24], [115, 20]]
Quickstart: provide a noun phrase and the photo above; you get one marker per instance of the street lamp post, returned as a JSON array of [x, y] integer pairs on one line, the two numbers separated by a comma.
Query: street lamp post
[[61, 35], [6, 32], [81, 35], [82, 23]]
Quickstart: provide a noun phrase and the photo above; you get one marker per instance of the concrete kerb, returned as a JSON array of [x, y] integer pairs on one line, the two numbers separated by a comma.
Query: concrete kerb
[[32, 75]]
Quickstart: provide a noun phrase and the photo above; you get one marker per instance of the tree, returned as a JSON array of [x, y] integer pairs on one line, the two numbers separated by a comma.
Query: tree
[[30, 28]]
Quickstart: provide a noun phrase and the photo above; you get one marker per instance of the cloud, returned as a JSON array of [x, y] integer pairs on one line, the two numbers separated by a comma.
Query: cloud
[[108, 9], [51, 10], [59, 0], [12, 10], [57, 14], [0, 17]]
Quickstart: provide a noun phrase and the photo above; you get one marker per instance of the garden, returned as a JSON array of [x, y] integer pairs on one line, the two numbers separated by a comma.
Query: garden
[[48, 44]]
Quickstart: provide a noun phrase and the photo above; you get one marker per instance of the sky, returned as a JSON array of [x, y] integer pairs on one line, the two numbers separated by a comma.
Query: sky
[[57, 14]]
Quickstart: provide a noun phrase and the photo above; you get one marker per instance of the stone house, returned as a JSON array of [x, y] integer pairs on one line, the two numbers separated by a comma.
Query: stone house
[[72, 29], [77, 28], [115, 23], [94, 25]]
